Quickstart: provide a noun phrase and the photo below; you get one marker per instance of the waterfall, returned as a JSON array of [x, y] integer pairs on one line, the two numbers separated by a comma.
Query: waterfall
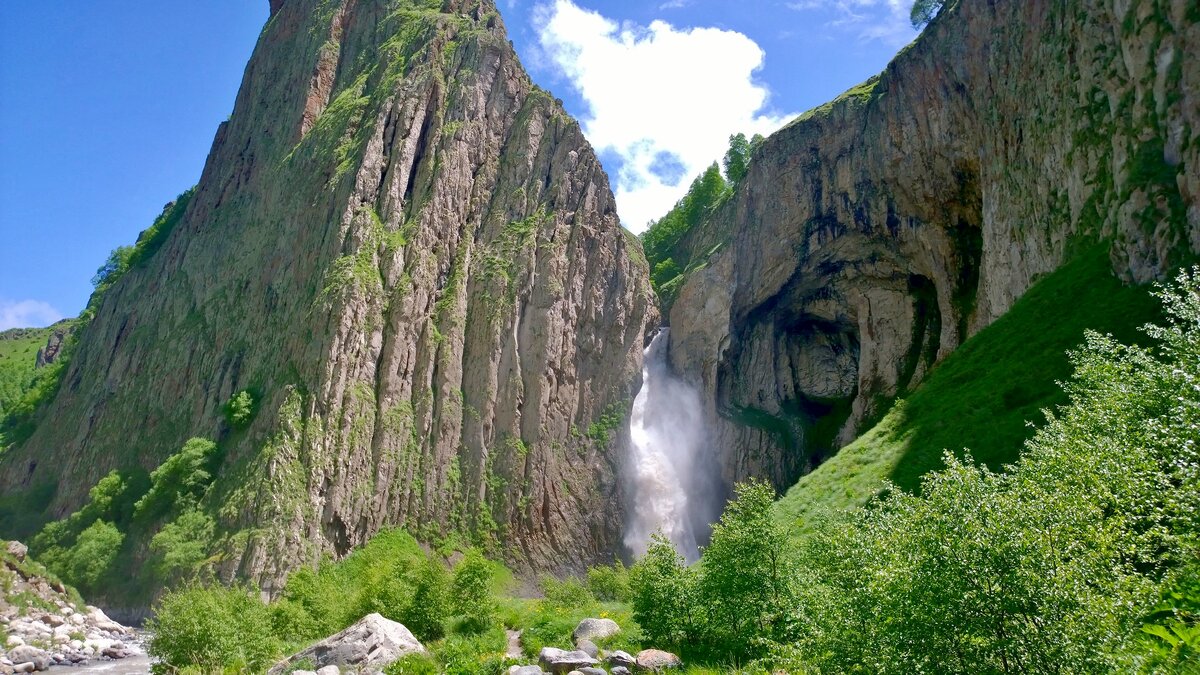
[[668, 464]]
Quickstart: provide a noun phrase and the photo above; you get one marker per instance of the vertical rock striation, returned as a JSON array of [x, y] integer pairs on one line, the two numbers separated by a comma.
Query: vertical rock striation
[[410, 255], [874, 234]]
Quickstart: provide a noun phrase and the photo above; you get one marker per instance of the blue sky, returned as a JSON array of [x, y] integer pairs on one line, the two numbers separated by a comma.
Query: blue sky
[[109, 106]]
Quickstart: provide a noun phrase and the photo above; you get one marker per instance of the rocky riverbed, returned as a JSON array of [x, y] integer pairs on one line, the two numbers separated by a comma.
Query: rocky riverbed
[[43, 624]]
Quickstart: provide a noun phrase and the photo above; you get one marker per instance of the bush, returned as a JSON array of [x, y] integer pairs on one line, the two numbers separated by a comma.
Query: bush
[[212, 629], [609, 583], [474, 654], [567, 594], [239, 410], [430, 607], [414, 664], [473, 600]]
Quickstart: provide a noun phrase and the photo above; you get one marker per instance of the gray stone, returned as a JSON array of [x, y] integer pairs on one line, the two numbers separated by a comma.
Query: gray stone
[[588, 647], [592, 671], [373, 642], [329, 670], [657, 659], [621, 670], [561, 661], [595, 629], [304, 672], [17, 550], [525, 670], [28, 654], [620, 658]]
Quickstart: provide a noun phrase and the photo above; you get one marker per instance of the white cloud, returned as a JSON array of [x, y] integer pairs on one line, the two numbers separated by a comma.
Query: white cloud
[[883, 20], [26, 314], [657, 89]]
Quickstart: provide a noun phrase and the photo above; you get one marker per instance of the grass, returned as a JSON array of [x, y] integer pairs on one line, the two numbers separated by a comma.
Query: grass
[[984, 394], [18, 356]]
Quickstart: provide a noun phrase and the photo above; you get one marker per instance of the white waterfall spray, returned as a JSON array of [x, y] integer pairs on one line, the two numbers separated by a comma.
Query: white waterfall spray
[[667, 458]]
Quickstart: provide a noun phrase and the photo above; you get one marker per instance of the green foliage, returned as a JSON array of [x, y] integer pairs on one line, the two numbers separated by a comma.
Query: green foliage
[[663, 594], [181, 547], [737, 158], [566, 594], [212, 629], [92, 556], [180, 481], [430, 608], [1046, 568], [609, 583], [472, 588], [983, 395], [923, 11], [414, 664], [239, 410], [112, 269], [745, 576], [476, 653], [1171, 640]]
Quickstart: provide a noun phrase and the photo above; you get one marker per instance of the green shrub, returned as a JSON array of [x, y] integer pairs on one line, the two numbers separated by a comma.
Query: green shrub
[[609, 583], [92, 556], [239, 410], [473, 599], [429, 609], [477, 653], [567, 594], [212, 629]]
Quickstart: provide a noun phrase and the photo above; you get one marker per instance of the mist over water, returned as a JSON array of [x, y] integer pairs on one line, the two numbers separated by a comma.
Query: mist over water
[[671, 470]]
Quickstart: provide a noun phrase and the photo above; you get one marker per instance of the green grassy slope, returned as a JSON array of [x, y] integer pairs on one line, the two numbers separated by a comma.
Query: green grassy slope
[[18, 355], [983, 396]]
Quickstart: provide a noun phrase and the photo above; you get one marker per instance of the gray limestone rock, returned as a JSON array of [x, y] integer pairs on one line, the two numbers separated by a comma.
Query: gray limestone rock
[[595, 629], [373, 642]]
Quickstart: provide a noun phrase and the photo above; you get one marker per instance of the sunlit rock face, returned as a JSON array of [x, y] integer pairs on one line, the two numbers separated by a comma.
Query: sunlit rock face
[[872, 236], [411, 256]]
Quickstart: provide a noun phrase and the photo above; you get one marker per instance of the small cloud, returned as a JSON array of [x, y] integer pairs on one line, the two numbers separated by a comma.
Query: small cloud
[[883, 20], [675, 4], [662, 100], [27, 314]]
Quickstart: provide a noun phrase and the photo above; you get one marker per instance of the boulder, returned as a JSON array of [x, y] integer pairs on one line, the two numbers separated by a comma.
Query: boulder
[[656, 659], [98, 619], [621, 670], [372, 643], [622, 659], [561, 661], [304, 672], [588, 647], [525, 670], [17, 550], [27, 654], [595, 629], [592, 671], [329, 670]]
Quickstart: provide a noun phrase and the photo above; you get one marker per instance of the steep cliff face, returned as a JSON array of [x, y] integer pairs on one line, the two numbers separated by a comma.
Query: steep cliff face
[[876, 233], [410, 255]]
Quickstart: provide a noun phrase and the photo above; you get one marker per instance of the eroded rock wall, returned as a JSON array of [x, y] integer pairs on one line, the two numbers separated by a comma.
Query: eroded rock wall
[[876, 233], [410, 255]]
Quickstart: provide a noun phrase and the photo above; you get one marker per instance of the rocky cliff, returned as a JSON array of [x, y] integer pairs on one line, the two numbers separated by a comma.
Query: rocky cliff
[[409, 255], [874, 234]]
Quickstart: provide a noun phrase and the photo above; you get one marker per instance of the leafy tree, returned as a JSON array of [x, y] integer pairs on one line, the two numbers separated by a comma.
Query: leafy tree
[[239, 410], [92, 556], [179, 481], [565, 595], [737, 158], [472, 587], [923, 11], [662, 593], [745, 573], [430, 606], [112, 269], [181, 546]]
